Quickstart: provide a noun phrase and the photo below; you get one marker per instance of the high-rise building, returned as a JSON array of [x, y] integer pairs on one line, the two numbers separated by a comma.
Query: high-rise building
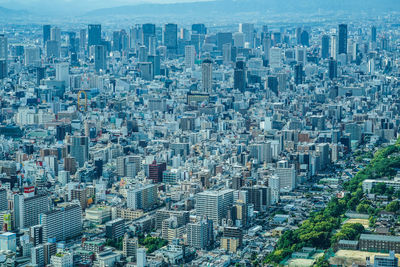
[[3, 69], [80, 194], [287, 176], [148, 30], [52, 49], [190, 56], [55, 34], [373, 34], [156, 170], [37, 256], [80, 149], [342, 39], [332, 70], [49, 249], [62, 73], [62, 224], [214, 204], [94, 34], [305, 38], [46, 33], [325, 46], [171, 38], [238, 39], [298, 74], [227, 53], [8, 241], [3, 199], [143, 197], [36, 235], [223, 38], [207, 79], [199, 29], [275, 57], [27, 210], [32, 56], [100, 58], [82, 39], [3, 56], [200, 235], [249, 34], [141, 257]]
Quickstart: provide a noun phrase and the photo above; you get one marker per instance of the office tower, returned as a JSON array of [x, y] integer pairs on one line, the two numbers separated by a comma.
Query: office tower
[[141, 257], [36, 235], [148, 30], [190, 56], [248, 30], [152, 46], [272, 84], [199, 29], [333, 47], [142, 53], [305, 38], [342, 39], [8, 241], [115, 228], [301, 54], [227, 53], [332, 70], [323, 151], [287, 176], [282, 81], [62, 73], [62, 259], [46, 33], [171, 38], [27, 210], [298, 35], [214, 204], [298, 74], [3, 199], [37, 255], [129, 246], [116, 41], [238, 39], [373, 34], [206, 77], [80, 149], [144, 197], [275, 57], [200, 235], [146, 70], [223, 38], [156, 170], [55, 34], [40, 75], [52, 49], [3, 69], [135, 36], [386, 261], [240, 76], [62, 224], [32, 56], [80, 194], [100, 57], [266, 45], [94, 34], [325, 46], [82, 39]]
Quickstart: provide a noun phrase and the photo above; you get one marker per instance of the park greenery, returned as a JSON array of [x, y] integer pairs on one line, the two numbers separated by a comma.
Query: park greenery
[[321, 230], [152, 243]]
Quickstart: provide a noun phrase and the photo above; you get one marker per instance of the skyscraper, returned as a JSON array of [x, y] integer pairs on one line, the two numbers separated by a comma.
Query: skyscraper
[[55, 34], [248, 30], [190, 56], [3, 47], [298, 74], [200, 234], [80, 149], [46, 33], [342, 39], [373, 34], [223, 38], [206, 77], [94, 34], [199, 29], [27, 210], [148, 30], [100, 57], [239, 76], [325, 46], [171, 37], [332, 70]]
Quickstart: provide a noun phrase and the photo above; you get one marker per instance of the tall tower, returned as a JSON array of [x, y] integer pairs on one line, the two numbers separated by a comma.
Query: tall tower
[[190, 55], [325, 46], [94, 34], [342, 39], [46, 33], [207, 75], [100, 58], [171, 37]]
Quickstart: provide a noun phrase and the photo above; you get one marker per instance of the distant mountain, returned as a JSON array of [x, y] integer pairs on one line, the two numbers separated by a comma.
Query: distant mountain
[[231, 7], [7, 12]]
